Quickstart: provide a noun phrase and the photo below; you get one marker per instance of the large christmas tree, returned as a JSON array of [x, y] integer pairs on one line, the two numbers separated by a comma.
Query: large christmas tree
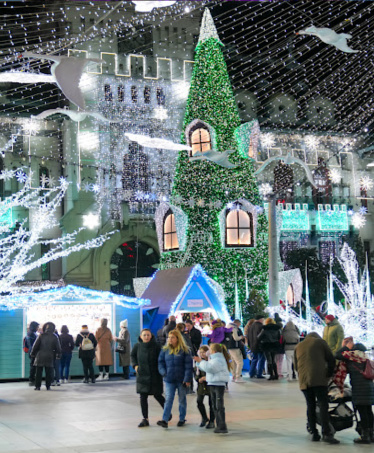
[[207, 191]]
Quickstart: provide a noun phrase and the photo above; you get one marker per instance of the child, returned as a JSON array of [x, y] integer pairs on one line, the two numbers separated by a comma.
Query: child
[[218, 332], [203, 390], [217, 374]]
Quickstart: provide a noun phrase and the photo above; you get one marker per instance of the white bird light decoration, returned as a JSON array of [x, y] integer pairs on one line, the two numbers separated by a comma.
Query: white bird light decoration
[[158, 143], [289, 159], [221, 159], [146, 7], [329, 36], [67, 72]]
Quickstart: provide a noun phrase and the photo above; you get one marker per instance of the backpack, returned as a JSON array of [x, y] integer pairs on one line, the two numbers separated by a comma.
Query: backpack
[[26, 347], [87, 344]]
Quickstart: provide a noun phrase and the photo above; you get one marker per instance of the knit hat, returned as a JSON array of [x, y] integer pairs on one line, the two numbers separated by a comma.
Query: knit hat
[[359, 347], [85, 327], [329, 318], [123, 323]]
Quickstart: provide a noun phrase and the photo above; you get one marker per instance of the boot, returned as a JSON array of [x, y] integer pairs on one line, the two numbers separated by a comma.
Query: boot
[[271, 372], [365, 437], [275, 371], [106, 377], [100, 377], [372, 435]]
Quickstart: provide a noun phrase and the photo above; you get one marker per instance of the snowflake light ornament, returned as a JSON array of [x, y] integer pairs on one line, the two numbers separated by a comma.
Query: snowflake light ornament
[[366, 182], [311, 141], [95, 188], [335, 175], [201, 203], [267, 140], [363, 210], [265, 189], [21, 176], [44, 180], [6, 175], [217, 204], [358, 220]]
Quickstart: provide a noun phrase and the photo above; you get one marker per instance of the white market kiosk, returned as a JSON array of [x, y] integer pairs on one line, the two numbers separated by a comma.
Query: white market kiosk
[[70, 305]]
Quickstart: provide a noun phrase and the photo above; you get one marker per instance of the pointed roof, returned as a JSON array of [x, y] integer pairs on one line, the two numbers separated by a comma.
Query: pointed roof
[[208, 29]]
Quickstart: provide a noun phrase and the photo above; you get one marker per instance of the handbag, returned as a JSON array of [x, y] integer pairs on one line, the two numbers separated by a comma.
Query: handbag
[[368, 372]]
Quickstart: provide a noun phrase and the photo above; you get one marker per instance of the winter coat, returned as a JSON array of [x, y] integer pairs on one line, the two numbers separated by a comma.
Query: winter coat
[[269, 337], [235, 337], [202, 387], [78, 341], [218, 334], [45, 350], [314, 362], [252, 336], [175, 368], [30, 339], [165, 331], [67, 343], [333, 334], [104, 346], [196, 339], [124, 343], [217, 372], [291, 336], [188, 341], [161, 339], [362, 389], [145, 356]]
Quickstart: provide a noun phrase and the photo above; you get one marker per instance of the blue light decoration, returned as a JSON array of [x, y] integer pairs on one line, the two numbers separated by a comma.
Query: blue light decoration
[[70, 294], [293, 218], [247, 136], [6, 219], [335, 219]]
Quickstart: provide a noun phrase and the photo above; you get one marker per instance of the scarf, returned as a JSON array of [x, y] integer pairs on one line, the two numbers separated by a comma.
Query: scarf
[[341, 369]]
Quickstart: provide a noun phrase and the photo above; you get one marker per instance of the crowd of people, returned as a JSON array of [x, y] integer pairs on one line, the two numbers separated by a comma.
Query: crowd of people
[[171, 361]]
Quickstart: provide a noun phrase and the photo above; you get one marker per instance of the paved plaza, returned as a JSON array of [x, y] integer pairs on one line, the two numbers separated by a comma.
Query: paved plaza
[[262, 416]]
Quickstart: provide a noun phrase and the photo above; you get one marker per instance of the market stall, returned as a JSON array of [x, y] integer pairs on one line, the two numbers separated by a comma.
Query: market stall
[[72, 306], [185, 292]]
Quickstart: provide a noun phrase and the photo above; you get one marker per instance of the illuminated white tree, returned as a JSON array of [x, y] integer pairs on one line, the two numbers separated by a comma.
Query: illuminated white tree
[[18, 244]]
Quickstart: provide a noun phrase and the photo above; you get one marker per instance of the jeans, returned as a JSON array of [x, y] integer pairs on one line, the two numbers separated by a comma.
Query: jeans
[[217, 393], [170, 389], [144, 403], [237, 362], [202, 410], [312, 395], [366, 416], [32, 370], [57, 370], [65, 364], [257, 364], [88, 369], [48, 376]]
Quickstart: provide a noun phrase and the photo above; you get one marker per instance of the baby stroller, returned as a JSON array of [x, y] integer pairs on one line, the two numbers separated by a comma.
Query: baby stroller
[[342, 416]]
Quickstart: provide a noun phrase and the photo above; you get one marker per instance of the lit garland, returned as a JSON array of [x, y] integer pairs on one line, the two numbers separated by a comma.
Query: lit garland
[[211, 100]]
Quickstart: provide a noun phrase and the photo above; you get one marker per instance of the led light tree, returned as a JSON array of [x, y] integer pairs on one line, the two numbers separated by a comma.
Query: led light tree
[[19, 245], [219, 189]]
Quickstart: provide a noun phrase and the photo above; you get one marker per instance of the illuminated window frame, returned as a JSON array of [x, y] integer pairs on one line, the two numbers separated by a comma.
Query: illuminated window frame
[[238, 228], [172, 233]]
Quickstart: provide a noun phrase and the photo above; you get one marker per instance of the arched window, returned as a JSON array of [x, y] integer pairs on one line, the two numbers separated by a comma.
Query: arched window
[[200, 141], [170, 232], [239, 228]]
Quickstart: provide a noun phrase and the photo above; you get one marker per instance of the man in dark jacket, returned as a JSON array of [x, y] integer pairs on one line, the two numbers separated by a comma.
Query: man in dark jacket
[[169, 327], [30, 339], [258, 357], [315, 364], [195, 336]]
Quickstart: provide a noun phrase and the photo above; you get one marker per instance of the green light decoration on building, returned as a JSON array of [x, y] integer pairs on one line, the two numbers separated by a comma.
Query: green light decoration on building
[[296, 219], [7, 218], [202, 188], [335, 219]]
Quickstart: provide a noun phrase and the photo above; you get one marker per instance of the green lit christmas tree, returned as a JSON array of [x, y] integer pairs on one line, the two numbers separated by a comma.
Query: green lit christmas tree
[[226, 231]]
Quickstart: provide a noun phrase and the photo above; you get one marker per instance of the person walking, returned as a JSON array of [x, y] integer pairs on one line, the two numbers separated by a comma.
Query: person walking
[[353, 361], [171, 325], [333, 333], [175, 366], [258, 357], [28, 343], [45, 349], [86, 342], [315, 364], [269, 339], [67, 347], [56, 366], [161, 340], [144, 359], [104, 358], [217, 371], [291, 338], [234, 348], [219, 331], [194, 335], [279, 356], [203, 391], [124, 348]]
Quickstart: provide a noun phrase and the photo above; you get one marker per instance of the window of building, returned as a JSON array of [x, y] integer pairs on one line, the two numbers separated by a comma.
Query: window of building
[[135, 174], [200, 141], [147, 95], [327, 251], [121, 93], [239, 228], [134, 94], [108, 95], [283, 182], [160, 96], [170, 232], [83, 23], [323, 191]]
